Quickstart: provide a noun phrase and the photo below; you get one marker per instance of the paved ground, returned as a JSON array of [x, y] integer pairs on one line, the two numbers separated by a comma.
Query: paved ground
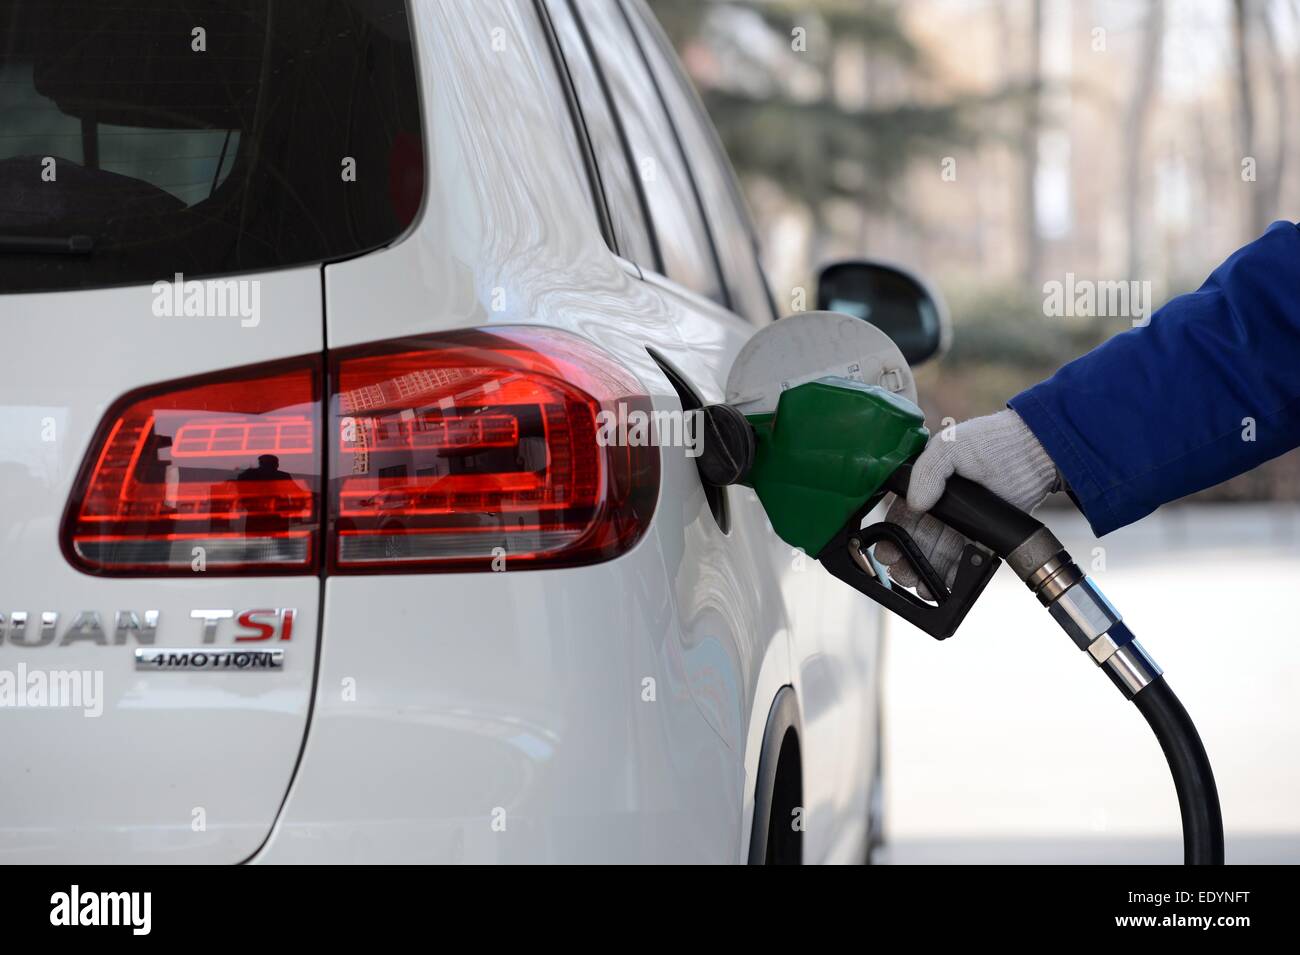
[[1004, 744]]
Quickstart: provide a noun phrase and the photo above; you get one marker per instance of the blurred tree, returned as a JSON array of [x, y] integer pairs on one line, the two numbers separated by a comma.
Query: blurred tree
[[1250, 21], [1031, 252], [815, 146], [1269, 198], [1136, 123], [1245, 101]]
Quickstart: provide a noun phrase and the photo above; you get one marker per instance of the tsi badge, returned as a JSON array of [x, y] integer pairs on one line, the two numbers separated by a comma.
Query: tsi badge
[[258, 626], [249, 631]]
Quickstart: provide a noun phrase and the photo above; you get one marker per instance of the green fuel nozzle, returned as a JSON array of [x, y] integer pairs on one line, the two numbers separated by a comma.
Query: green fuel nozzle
[[819, 463], [826, 453]]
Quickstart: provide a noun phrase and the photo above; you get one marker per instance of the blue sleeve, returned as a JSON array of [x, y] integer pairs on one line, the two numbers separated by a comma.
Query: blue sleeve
[[1208, 389]]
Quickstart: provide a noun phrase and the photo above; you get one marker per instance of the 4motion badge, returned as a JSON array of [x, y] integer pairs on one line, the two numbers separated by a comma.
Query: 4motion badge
[[188, 658]]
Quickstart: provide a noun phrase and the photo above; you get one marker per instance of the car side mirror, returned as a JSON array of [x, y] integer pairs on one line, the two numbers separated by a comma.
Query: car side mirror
[[893, 299]]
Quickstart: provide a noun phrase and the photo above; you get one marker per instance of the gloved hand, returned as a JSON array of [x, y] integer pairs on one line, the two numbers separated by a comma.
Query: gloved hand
[[998, 451]]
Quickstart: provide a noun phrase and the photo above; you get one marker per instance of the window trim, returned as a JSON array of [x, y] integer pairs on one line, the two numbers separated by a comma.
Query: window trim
[[599, 71], [720, 156], [728, 304], [578, 122]]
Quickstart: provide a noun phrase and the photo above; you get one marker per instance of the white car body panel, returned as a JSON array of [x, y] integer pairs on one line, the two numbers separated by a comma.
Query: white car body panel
[[456, 717], [126, 786]]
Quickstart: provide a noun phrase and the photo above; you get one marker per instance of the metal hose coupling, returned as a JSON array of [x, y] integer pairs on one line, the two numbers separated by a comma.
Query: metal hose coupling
[[1082, 611]]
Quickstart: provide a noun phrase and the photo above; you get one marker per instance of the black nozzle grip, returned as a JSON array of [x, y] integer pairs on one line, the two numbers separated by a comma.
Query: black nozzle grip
[[846, 558], [968, 508], [974, 511]]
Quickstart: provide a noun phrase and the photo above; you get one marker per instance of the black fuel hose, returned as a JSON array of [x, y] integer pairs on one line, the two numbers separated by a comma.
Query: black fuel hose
[[1198, 797], [1076, 603]]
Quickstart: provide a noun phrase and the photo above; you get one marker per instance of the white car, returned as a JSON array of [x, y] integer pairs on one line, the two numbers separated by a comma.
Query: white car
[[310, 549]]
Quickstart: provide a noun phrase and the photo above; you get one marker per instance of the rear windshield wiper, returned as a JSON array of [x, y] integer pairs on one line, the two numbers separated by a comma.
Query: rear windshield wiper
[[56, 245]]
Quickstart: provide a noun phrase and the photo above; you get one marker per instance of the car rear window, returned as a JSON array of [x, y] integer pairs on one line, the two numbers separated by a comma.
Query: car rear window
[[142, 138]]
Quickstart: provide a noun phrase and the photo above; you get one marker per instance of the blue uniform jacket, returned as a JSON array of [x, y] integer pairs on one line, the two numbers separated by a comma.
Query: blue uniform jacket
[[1208, 389]]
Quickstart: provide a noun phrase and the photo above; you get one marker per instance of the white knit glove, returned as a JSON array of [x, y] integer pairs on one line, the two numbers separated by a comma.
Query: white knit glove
[[997, 451]]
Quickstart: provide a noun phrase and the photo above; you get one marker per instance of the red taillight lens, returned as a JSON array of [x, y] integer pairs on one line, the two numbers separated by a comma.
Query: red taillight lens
[[470, 450], [479, 449], [216, 475]]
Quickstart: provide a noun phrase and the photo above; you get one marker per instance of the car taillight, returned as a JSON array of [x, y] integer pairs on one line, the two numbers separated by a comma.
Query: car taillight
[[483, 449], [463, 451], [217, 475]]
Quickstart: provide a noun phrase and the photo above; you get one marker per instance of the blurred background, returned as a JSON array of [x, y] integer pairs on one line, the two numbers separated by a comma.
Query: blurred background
[[997, 147]]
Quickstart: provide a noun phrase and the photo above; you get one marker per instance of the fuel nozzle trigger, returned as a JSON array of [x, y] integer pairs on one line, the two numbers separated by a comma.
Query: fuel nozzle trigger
[[847, 557]]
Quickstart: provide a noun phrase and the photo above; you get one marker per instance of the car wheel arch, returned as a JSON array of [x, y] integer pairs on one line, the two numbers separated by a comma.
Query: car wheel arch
[[778, 785]]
